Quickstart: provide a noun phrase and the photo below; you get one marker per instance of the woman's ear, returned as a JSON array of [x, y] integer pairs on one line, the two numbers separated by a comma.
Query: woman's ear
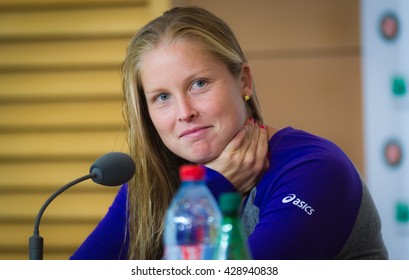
[[247, 81]]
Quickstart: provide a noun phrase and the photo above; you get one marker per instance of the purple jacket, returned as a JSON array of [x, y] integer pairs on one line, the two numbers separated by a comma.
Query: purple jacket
[[310, 204]]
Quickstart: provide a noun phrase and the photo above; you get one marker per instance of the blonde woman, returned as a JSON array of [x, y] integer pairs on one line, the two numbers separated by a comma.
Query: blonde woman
[[189, 97]]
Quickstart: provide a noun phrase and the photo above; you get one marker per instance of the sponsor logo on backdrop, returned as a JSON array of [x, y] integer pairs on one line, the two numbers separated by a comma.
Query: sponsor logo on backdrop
[[389, 26]]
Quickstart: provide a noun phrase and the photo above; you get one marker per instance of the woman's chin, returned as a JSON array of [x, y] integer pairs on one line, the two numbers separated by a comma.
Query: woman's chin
[[200, 159]]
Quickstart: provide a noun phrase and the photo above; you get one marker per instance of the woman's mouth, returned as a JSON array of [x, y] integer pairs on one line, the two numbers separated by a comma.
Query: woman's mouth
[[194, 132]]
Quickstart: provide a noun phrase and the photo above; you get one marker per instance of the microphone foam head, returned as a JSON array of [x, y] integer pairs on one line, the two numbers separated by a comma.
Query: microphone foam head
[[113, 169]]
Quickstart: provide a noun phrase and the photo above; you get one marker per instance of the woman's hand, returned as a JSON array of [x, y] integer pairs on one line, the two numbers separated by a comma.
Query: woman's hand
[[244, 158]]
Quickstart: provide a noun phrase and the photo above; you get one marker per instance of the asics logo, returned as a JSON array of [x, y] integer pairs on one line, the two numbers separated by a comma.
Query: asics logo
[[299, 203], [288, 198]]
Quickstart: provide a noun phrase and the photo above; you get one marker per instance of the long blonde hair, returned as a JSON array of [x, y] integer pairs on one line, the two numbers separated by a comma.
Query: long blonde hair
[[156, 179]]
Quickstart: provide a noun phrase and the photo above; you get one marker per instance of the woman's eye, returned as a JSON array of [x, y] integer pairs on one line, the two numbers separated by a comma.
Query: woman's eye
[[162, 97], [199, 84]]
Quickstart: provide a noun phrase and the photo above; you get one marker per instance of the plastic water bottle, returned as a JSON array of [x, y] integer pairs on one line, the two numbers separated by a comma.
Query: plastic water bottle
[[232, 243], [193, 218]]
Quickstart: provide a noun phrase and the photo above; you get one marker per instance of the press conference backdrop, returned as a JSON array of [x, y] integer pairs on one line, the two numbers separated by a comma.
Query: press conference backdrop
[[60, 109], [60, 104], [385, 68]]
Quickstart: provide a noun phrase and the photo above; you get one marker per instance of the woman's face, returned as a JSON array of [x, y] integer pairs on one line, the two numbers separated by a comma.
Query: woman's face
[[194, 102]]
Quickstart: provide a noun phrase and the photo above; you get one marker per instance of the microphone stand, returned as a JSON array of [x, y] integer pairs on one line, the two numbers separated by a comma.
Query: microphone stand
[[36, 242]]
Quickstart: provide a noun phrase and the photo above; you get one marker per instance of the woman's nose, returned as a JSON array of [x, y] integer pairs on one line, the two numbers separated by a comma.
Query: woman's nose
[[186, 110]]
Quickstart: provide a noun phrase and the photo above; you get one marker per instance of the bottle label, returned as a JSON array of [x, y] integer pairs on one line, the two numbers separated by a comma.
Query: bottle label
[[189, 252]]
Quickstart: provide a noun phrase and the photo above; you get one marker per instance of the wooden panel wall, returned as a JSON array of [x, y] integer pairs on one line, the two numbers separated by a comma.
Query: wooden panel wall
[[60, 109], [305, 57]]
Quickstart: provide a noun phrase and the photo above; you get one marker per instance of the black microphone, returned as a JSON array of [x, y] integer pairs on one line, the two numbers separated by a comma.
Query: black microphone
[[112, 169]]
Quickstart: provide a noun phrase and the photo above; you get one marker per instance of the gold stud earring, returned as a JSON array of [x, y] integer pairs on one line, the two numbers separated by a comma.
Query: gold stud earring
[[246, 98]]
